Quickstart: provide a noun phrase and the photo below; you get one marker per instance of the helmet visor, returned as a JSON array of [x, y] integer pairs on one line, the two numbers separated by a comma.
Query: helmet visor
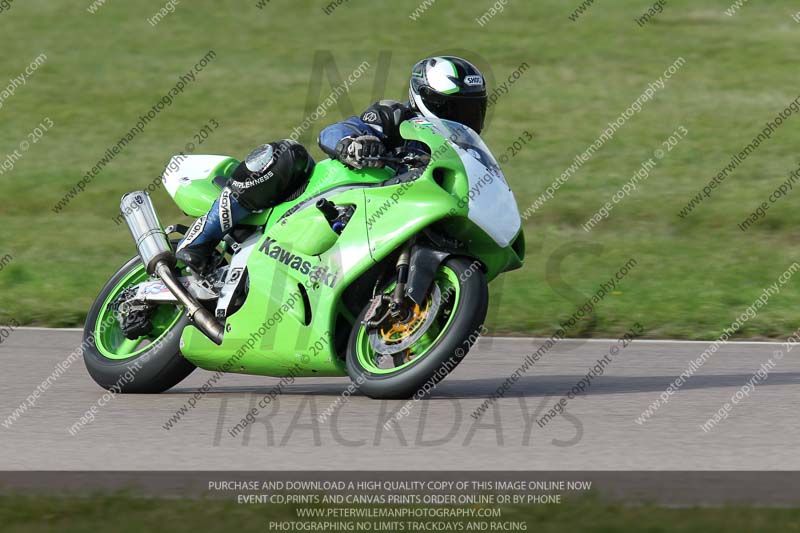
[[467, 110]]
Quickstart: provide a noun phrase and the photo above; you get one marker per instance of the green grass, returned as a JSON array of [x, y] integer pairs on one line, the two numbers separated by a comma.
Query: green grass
[[128, 514], [695, 275]]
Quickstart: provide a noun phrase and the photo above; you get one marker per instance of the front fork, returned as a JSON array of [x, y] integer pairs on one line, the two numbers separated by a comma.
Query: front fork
[[397, 306]]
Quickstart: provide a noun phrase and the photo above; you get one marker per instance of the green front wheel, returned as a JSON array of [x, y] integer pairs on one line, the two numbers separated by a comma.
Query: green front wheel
[[407, 358]]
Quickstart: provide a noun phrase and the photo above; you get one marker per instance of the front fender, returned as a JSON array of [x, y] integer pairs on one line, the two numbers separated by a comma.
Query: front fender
[[425, 261]]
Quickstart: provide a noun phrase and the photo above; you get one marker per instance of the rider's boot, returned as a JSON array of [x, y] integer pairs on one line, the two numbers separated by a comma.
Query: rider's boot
[[205, 234]]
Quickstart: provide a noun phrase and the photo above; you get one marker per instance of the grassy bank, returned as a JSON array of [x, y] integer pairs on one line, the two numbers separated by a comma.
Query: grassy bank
[[694, 275], [126, 514]]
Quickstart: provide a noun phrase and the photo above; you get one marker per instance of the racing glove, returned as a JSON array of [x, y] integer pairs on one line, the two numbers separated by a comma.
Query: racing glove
[[353, 151]]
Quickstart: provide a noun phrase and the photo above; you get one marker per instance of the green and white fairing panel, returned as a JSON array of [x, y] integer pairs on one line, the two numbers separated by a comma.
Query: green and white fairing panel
[[492, 206], [189, 180]]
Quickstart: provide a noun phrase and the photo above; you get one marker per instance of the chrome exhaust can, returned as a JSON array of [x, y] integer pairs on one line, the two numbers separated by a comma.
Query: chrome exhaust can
[[148, 234]]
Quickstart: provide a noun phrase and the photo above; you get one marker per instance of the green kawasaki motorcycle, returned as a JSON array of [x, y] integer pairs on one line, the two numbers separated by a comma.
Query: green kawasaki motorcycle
[[369, 273]]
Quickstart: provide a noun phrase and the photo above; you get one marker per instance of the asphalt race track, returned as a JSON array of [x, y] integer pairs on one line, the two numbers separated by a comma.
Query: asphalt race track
[[599, 431]]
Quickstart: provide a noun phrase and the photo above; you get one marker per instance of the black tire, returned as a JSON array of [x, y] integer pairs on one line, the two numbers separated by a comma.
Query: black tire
[[452, 346], [159, 368]]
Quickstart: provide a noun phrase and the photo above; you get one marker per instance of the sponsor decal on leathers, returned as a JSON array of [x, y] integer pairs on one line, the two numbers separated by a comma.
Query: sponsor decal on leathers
[[194, 232], [225, 213]]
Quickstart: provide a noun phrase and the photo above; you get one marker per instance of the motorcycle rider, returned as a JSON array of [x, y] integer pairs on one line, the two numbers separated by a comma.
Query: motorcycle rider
[[443, 87]]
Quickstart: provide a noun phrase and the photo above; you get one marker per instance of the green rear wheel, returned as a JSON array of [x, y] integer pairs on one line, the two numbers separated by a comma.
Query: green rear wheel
[[151, 363], [109, 339]]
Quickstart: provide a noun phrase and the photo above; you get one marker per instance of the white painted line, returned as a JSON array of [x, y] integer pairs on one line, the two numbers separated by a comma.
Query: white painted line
[[35, 328], [638, 341], [519, 339]]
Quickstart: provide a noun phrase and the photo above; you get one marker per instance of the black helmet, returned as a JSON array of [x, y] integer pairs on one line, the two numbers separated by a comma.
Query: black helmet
[[450, 88]]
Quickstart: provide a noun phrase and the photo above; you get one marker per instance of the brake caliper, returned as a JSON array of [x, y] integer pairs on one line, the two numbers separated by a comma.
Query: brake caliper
[[393, 336], [377, 308]]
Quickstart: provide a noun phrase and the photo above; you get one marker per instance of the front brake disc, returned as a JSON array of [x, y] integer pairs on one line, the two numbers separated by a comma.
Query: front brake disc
[[381, 346]]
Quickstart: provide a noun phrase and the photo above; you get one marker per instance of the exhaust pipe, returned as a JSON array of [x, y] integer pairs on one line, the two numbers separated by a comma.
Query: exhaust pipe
[[146, 230], [198, 314], [159, 259]]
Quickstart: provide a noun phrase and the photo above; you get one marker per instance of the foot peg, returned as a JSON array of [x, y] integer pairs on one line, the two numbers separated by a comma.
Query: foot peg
[[196, 257]]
